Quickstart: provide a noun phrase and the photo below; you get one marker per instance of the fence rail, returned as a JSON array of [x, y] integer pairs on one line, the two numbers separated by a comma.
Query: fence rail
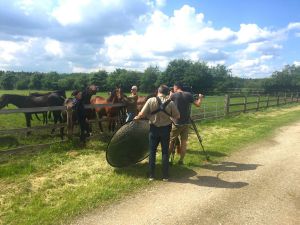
[[55, 108]]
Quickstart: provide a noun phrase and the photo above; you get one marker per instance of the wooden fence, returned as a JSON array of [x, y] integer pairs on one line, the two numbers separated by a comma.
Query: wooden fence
[[255, 103], [210, 109]]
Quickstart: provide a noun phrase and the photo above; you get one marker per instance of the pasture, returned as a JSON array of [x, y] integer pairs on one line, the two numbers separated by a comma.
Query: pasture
[[57, 184]]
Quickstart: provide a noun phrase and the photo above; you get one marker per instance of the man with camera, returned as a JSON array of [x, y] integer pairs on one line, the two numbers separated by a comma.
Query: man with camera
[[183, 100]]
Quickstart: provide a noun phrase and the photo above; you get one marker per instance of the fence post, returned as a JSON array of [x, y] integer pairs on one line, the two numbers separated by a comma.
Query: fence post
[[277, 99], [226, 105], [245, 104], [297, 96], [268, 98], [284, 97], [292, 97], [257, 103], [70, 122]]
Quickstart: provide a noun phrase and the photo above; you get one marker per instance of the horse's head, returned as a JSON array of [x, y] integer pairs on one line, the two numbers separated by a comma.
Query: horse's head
[[92, 89], [68, 102], [4, 100], [115, 95]]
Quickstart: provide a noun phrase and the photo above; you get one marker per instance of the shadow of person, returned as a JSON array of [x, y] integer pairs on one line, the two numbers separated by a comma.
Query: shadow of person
[[211, 181], [210, 153], [229, 166]]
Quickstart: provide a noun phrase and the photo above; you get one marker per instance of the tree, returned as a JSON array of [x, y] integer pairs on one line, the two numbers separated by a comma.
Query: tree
[[100, 79], [175, 71], [36, 81], [23, 84], [8, 81], [81, 82], [198, 76], [50, 81], [149, 78], [221, 78]]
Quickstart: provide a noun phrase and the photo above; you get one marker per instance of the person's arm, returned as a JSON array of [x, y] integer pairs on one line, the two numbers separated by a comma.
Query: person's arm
[[198, 101], [144, 112], [174, 111]]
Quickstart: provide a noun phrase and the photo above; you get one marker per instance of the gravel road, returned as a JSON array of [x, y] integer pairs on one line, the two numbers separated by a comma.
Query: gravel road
[[258, 185]]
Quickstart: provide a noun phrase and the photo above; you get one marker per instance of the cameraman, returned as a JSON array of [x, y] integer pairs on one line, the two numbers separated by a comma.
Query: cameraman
[[183, 100]]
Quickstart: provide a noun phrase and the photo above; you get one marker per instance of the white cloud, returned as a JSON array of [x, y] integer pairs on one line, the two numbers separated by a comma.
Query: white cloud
[[293, 26], [296, 63], [258, 67], [70, 11], [9, 49], [54, 48], [83, 35], [166, 37], [160, 3], [252, 33]]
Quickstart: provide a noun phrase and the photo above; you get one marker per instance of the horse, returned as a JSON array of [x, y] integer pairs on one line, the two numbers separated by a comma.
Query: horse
[[21, 101], [86, 98], [142, 100], [111, 112], [45, 115]]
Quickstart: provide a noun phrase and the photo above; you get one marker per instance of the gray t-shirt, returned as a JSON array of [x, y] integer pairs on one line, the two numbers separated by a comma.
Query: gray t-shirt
[[183, 101]]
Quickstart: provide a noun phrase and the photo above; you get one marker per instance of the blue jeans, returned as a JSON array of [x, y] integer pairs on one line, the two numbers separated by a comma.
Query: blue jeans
[[130, 116], [159, 135]]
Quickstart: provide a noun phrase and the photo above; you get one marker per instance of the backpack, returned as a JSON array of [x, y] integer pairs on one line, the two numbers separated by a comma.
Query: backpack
[[161, 107]]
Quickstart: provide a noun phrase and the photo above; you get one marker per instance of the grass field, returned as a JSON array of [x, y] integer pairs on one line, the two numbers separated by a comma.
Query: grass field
[[63, 181]]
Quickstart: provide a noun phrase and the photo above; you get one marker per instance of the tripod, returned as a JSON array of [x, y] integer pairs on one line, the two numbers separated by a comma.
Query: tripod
[[194, 127], [177, 142]]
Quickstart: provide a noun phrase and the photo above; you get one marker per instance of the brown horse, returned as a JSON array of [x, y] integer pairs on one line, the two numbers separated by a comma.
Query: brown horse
[[142, 100], [111, 112]]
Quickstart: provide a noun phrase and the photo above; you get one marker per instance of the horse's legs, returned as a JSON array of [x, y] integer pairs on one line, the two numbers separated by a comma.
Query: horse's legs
[[58, 117], [99, 118], [28, 122]]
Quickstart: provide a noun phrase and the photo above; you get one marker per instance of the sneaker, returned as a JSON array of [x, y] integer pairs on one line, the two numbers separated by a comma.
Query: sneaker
[[151, 179], [180, 162], [165, 179]]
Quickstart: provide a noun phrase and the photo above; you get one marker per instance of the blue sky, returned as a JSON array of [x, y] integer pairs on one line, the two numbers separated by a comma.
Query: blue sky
[[252, 38]]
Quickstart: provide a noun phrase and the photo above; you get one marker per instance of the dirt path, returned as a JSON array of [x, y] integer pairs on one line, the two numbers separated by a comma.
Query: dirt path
[[258, 185]]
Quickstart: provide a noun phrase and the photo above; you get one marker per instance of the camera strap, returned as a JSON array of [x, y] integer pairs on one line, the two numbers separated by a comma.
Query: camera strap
[[161, 107]]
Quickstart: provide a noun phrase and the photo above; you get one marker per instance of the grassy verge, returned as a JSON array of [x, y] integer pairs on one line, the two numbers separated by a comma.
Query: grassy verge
[[53, 186]]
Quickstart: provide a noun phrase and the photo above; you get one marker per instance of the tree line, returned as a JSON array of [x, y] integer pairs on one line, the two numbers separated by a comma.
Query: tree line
[[197, 76]]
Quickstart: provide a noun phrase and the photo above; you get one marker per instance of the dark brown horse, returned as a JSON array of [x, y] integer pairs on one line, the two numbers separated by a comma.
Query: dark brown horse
[[47, 115], [21, 101]]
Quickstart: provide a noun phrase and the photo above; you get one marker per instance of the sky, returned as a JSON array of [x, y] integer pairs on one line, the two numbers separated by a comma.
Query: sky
[[252, 38]]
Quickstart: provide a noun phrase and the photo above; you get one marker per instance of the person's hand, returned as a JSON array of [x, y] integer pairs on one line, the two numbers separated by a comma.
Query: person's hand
[[136, 118], [201, 96]]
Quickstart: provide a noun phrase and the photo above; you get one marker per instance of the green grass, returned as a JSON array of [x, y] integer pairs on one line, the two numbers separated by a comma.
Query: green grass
[[63, 181]]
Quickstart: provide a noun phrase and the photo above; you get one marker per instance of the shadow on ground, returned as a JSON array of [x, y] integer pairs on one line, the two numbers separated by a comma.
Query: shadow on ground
[[215, 181], [210, 153], [229, 166]]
